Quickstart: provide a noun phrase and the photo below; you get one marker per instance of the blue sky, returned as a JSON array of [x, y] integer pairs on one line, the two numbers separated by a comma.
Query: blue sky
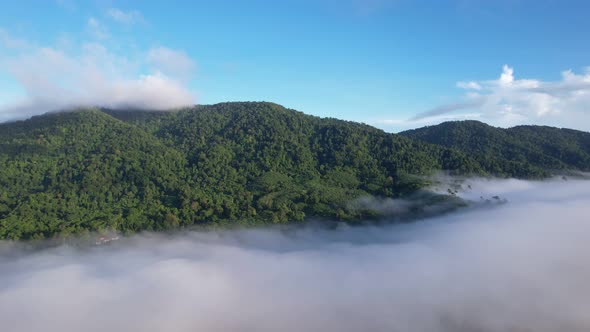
[[395, 64]]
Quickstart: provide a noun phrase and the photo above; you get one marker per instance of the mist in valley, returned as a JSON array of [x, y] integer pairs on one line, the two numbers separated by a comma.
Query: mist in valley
[[516, 259]]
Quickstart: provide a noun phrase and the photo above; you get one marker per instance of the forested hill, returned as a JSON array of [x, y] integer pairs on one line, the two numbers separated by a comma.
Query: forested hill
[[127, 171], [544, 148]]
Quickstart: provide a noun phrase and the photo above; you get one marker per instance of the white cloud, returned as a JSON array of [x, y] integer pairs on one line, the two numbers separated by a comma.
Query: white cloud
[[96, 28], [125, 17], [90, 74], [507, 76], [520, 266], [469, 85], [10, 42], [510, 101], [171, 62]]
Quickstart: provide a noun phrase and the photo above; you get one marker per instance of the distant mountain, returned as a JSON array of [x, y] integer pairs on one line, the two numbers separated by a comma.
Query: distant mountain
[[526, 147], [92, 170]]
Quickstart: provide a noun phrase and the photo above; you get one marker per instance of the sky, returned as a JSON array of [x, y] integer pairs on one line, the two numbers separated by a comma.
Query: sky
[[394, 64]]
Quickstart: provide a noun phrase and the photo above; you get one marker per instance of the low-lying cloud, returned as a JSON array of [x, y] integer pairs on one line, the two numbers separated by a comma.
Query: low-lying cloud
[[520, 266]]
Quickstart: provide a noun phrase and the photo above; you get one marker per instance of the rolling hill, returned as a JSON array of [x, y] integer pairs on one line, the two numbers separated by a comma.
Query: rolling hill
[[526, 147], [239, 163]]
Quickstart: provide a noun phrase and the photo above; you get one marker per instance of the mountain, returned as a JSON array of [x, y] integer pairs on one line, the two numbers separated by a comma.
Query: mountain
[[517, 151], [236, 163]]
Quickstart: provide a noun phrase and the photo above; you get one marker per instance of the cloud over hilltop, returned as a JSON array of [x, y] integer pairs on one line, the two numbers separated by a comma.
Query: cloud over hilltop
[[92, 73]]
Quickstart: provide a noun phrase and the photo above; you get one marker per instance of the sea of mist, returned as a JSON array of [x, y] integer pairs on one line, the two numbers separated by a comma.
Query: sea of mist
[[521, 264]]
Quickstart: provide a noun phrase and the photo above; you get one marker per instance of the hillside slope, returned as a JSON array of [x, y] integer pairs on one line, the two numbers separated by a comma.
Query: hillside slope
[[70, 172], [93, 170], [533, 149]]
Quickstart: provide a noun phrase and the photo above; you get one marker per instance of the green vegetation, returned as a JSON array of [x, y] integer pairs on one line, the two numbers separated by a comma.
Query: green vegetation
[[92, 170], [523, 151]]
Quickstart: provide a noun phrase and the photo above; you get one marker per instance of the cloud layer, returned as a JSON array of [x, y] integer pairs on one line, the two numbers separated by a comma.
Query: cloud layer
[[91, 73], [521, 266]]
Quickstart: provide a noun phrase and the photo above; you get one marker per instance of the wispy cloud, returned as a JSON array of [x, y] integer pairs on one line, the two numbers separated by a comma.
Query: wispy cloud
[[402, 124], [171, 62], [367, 7], [97, 29], [125, 17], [469, 85], [445, 109], [11, 42], [69, 5]]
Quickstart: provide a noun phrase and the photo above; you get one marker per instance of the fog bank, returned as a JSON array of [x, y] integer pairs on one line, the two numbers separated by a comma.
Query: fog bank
[[519, 266]]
